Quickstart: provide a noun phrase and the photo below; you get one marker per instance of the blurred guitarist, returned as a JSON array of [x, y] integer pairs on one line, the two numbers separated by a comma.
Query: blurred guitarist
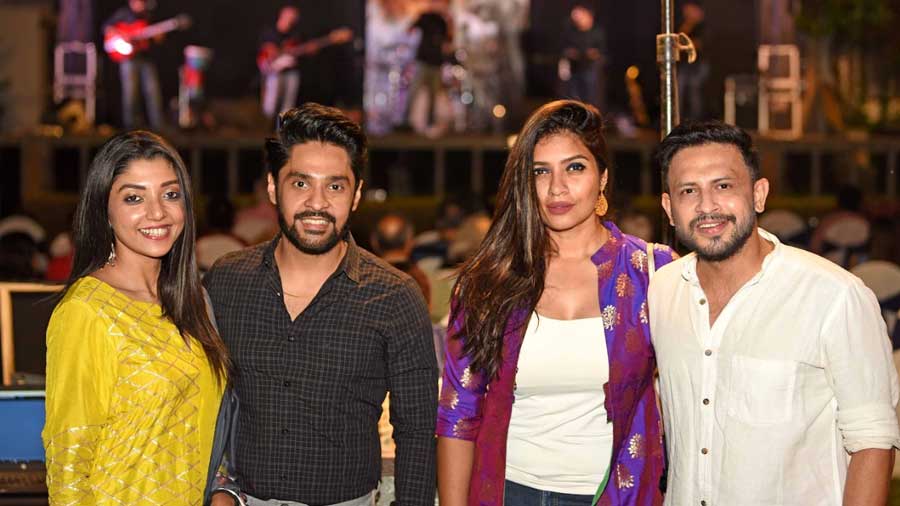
[[280, 49], [137, 69], [280, 78]]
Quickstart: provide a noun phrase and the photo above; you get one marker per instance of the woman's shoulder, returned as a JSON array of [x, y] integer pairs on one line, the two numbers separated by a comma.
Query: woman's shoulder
[[635, 246], [95, 296]]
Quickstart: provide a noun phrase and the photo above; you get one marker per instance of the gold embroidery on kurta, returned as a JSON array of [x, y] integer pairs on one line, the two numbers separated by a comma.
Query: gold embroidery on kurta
[[639, 260], [610, 317], [462, 427], [644, 314], [604, 270], [466, 379], [449, 398], [633, 341], [636, 447], [624, 286], [624, 479]]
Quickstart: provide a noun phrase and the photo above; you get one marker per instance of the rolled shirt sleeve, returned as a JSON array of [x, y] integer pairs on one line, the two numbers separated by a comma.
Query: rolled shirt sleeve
[[860, 370]]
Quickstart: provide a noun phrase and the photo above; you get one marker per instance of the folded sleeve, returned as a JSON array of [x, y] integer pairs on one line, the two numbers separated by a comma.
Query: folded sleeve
[[462, 389], [81, 371], [860, 369]]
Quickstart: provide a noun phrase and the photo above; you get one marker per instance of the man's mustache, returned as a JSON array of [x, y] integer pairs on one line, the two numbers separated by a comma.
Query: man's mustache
[[712, 217]]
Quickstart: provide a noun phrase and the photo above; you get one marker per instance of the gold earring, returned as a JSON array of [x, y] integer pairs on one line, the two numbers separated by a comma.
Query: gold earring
[[602, 205]]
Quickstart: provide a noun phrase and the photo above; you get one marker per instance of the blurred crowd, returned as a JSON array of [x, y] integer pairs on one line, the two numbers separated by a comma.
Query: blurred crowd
[[848, 235]]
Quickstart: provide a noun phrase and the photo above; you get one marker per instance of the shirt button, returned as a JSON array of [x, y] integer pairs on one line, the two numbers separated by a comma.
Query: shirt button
[[704, 451], [283, 477], [706, 402], [284, 430], [291, 339], [286, 383], [702, 301], [707, 352], [702, 503]]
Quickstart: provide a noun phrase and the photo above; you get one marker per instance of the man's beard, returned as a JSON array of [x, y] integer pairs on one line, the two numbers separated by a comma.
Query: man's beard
[[306, 246], [719, 248]]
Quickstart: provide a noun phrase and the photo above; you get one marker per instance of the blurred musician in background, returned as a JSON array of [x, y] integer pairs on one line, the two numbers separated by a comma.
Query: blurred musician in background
[[280, 49], [136, 67], [584, 50], [692, 76], [428, 95], [280, 72]]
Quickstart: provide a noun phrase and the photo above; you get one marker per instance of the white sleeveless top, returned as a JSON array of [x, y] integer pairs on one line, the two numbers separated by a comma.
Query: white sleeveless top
[[559, 439]]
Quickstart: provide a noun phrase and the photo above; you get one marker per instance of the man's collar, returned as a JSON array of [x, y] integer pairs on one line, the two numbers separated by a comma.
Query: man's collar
[[349, 264]]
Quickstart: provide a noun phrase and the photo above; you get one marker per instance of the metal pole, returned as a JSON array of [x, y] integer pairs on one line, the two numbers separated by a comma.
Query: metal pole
[[666, 57]]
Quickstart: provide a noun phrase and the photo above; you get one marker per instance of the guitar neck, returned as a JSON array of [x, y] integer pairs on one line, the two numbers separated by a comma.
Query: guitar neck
[[303, 47], [157, 29]]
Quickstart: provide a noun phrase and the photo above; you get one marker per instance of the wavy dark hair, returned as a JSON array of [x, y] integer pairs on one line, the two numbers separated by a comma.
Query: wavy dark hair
[[180, 292], [315, 122], [507, 272]]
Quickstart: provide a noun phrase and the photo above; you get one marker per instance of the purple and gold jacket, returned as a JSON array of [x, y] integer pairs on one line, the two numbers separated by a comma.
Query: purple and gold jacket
[[477, 409]]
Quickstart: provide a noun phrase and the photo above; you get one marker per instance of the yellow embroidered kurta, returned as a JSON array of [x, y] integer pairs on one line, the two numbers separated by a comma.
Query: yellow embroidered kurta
[[131, 409]]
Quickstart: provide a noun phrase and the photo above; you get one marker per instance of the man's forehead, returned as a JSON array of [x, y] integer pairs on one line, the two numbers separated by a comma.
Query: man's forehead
[[706, 159], [315, 158]]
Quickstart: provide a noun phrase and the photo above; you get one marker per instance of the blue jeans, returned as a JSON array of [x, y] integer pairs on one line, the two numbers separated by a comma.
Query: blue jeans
[[587, 84], [139, 74], [520, 495]]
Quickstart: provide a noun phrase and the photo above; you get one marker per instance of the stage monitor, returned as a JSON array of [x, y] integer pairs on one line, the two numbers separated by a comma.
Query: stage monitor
[[25, 310]]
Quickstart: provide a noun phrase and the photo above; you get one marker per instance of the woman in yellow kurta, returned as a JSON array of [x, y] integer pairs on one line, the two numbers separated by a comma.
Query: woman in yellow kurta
[[135, 368]]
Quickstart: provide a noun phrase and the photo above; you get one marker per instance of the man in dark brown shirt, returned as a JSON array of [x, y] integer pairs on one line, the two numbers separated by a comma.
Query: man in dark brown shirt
[[319, 330]]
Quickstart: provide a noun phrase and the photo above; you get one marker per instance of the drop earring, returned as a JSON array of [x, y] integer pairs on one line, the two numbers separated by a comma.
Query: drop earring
[[111, 259], [602, 205]]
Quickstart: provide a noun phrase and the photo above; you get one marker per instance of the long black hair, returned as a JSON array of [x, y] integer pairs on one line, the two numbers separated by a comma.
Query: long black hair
[[507, 272], [178, 287]]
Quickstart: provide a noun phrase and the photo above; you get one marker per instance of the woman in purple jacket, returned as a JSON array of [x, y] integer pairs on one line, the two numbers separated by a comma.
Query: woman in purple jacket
[[548, 383]]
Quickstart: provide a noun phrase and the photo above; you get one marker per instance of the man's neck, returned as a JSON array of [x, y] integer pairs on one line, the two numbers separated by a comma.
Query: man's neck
[[730, 274], [293, 262]]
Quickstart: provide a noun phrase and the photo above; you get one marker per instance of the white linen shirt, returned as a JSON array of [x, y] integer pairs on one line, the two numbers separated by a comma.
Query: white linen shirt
[[764, 407]]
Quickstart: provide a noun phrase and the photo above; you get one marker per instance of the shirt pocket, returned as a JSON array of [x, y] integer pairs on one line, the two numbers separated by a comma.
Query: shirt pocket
[[762, 390]]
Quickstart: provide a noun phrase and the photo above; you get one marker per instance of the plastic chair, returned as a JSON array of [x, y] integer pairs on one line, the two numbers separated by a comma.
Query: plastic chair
[[883, 278], [788, 226]]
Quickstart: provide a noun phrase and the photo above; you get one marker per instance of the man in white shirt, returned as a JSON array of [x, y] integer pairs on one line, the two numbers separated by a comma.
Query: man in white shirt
[[776, 376]]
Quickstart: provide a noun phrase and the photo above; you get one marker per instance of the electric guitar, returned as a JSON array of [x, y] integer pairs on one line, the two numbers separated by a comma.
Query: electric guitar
[[123, 40], [272, 59]]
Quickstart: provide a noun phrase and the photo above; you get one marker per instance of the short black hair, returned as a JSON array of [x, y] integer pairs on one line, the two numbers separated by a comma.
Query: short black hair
[[313, 122], [698, 133]]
